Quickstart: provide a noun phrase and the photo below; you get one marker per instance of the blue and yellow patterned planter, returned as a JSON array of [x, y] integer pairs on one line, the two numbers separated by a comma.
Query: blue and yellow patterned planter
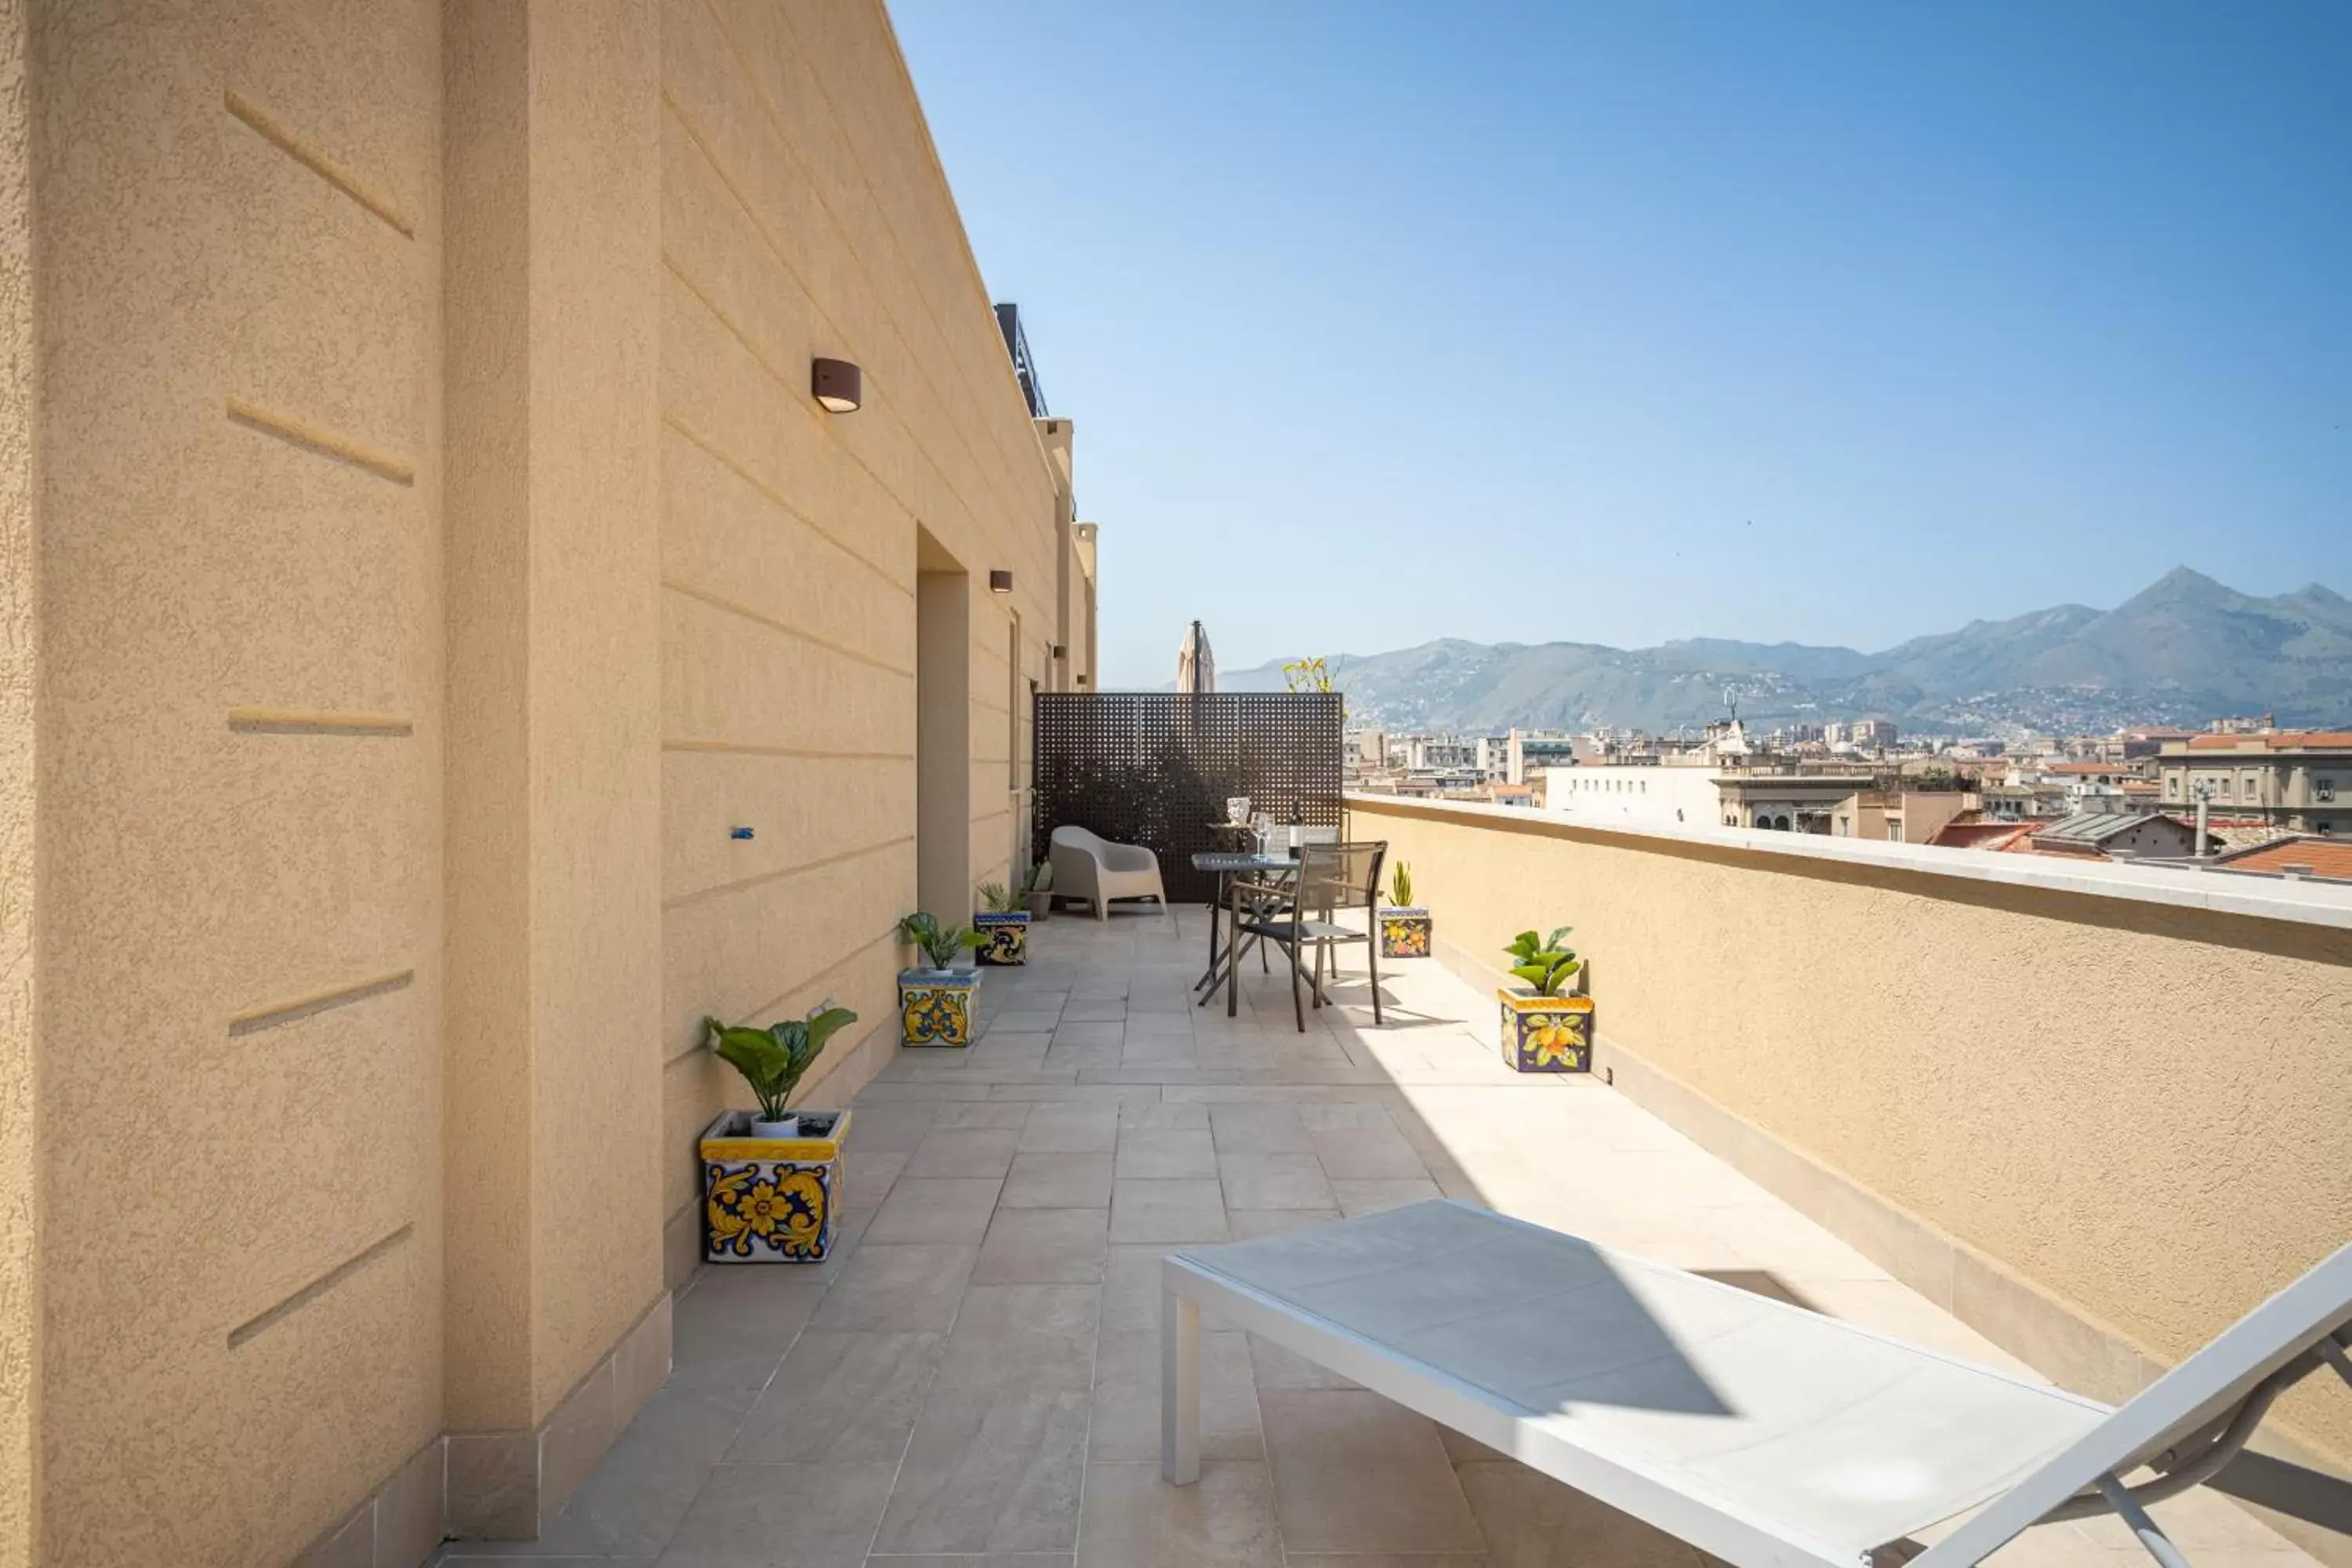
[[1404, 933], [771, 1200], [937, 1007], [1546, 1034], [1006, 934]]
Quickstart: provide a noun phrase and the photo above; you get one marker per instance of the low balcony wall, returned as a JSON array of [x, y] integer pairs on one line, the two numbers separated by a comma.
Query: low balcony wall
[[2096, 1111]]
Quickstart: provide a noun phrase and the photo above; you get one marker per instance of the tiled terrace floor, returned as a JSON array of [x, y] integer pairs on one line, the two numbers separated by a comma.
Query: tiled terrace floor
[[972, 1381]]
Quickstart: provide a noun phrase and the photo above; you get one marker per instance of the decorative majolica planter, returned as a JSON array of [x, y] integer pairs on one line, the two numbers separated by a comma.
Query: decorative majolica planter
[[1404, 933], [1546, 1033], [937, 1007], [771, 1200], [1005, 936]]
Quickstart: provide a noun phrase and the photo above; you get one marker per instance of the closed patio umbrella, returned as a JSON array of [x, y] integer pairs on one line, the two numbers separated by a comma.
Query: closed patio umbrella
[[1196, 666]]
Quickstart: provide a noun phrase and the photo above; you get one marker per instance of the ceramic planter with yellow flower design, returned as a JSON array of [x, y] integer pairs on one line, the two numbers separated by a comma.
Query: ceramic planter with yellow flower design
[[937, 1007], [1003, 936], [1404, 933], [771, 1200], [1546, 1034]]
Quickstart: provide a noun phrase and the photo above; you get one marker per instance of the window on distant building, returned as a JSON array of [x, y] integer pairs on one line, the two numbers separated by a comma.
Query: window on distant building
[[2172, 786], [2323, 789], [1894, 830]]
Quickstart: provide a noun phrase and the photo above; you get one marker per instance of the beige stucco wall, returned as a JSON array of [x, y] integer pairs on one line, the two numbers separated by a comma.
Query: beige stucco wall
[[803, 214], [237, 986], [2144, 1112], [19, 819], [399, 604]]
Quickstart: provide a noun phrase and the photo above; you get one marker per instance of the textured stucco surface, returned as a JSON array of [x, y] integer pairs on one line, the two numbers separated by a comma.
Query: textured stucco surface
[[19, 818], [2144, 1112], [803, 214], [236, 281], [435, 553]]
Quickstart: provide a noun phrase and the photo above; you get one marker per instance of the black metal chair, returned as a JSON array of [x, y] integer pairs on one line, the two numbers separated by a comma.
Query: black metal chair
[[1331, 877]]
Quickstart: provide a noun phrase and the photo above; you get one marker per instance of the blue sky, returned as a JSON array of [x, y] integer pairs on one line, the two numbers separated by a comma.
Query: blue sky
[[1616, 323]]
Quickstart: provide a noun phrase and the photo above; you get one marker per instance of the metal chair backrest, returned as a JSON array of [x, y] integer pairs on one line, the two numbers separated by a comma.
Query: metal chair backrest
[[1341, 876]]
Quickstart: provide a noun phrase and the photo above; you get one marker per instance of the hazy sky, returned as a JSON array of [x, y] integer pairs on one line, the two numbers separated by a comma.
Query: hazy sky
[[1615, 323]]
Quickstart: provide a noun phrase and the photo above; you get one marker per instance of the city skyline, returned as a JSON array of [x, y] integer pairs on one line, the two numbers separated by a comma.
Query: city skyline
[[1718, 326]]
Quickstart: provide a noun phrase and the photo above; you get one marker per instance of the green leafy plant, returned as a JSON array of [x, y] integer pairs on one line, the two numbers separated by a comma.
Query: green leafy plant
[[999, 899], [774, 1059], [940, 944], [1400, 886], [1040, 877], [1544, 964]]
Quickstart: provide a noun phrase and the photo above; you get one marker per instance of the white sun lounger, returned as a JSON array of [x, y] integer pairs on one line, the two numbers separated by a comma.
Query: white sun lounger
[[1758, 1431]]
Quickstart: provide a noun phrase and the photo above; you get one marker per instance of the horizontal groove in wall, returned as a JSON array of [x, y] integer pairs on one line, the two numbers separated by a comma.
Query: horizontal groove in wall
[[263, 1322], [302, 721], [721, 889], [277, 135], [980, 468], [753, 749], [768, 1007], [874, 398], [270, 1015], [819, 421], [758, 617], [324, 443], [719, 456]]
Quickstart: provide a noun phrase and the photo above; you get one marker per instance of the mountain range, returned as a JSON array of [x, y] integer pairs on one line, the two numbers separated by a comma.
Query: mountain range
[[2184, 650]]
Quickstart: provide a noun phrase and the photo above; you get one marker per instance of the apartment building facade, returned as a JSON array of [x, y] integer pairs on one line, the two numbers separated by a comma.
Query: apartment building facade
[[2299, 779], [446, 651]]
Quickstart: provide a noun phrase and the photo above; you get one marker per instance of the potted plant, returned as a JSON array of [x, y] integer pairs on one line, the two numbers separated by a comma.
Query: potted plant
[[1003, 925], [934, 1000], [1545, 1026], [772, 1177], [1404, 925], [1038, 891]]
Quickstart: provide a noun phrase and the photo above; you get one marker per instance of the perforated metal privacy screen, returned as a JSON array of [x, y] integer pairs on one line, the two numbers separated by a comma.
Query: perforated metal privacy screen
[[1155, 768]]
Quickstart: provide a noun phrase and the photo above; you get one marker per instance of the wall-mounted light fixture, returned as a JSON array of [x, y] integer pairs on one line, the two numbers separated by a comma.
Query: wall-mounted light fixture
[[837, 384], [1061, 652], [1000, 582]]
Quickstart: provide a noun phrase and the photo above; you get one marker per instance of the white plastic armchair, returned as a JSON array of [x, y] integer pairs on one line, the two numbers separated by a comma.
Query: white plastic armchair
[[1090, 867]]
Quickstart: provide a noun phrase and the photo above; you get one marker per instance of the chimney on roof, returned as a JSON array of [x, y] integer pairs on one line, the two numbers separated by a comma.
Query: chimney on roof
[[2294, 873]]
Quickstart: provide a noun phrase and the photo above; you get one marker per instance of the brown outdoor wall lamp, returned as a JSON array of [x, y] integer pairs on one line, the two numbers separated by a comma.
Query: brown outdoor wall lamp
[[1000, 582], [837, 384]]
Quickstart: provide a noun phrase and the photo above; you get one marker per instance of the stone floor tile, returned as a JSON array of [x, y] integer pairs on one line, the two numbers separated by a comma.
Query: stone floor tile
[[897, 1289], [840, 1398], [1162, 1116], [962, 1152], [1248, 1225], [1367, 1153], [1032, 1336], [1070, 1130], [868, 1175], [1044, 1247], [938, 1211], [1167, 1211], [631, 1503], [1258, 1129], [1274, 1181], [1057, 1182], [1161, 1153], [736, 1324], [1275, 1368], [781, 1516], [1134, 1520], [1353, 1472], [989, 1113], [1126, 1397], [992, 1469], [1101, 1033], [1374, 1196], [890, 1129], [1131, 1289], [1533, 1521]]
